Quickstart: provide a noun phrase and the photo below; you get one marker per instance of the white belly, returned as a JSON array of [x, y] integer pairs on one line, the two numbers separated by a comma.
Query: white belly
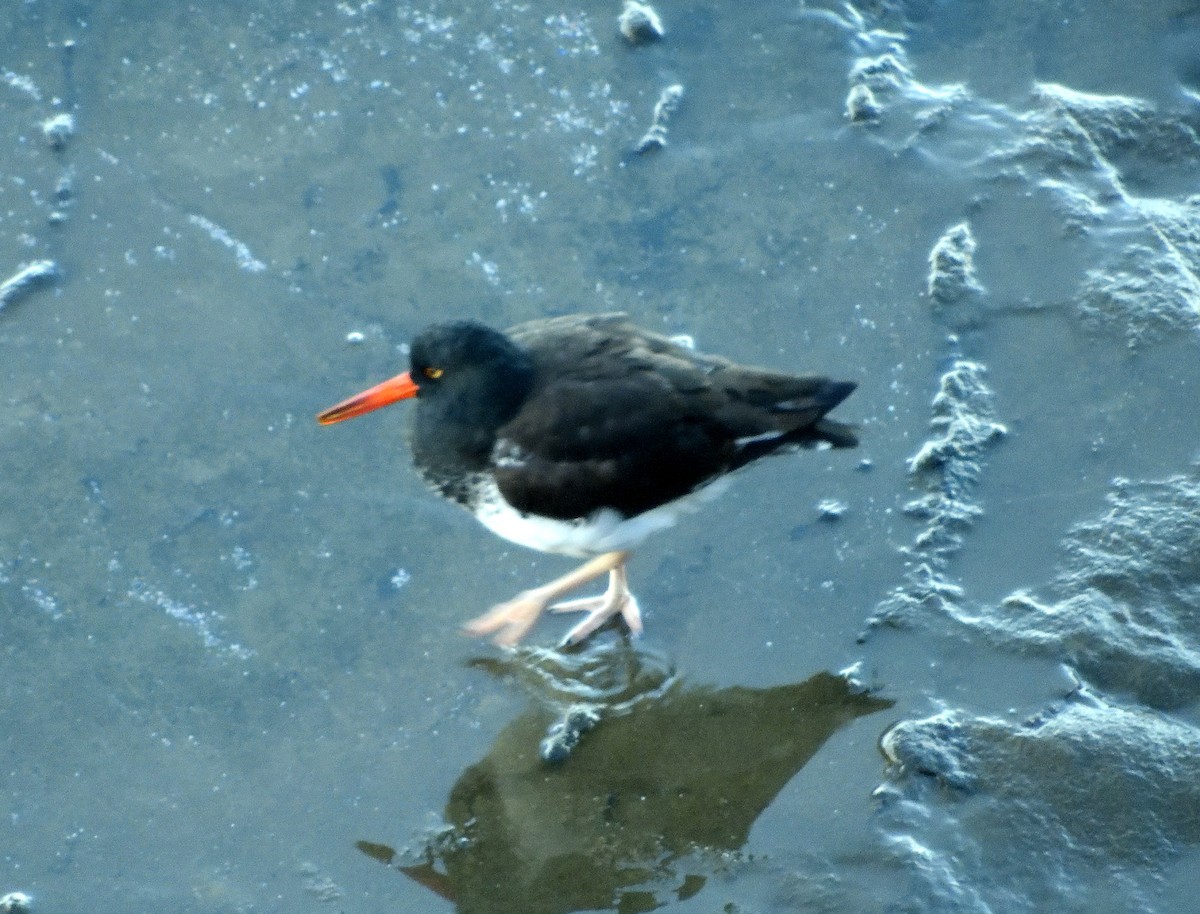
[[605, 531]]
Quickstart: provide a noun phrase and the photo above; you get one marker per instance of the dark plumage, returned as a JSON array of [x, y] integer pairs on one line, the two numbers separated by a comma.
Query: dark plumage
[[593, 423]]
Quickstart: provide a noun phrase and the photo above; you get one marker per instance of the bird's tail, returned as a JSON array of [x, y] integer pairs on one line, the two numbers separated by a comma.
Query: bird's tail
[[802, 422], [833, 433], [826, 430]]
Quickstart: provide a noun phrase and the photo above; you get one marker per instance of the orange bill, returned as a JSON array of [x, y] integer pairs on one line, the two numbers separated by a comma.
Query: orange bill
[[400, 387]]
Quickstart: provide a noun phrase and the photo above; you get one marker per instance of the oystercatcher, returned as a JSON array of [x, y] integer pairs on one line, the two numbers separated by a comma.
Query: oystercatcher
[[581, 435]]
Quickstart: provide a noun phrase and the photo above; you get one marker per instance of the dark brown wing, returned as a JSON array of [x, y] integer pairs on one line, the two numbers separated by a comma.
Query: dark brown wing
[[626, 419]]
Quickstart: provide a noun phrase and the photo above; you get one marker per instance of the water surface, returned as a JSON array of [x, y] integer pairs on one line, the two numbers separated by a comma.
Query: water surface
[[232, 679]]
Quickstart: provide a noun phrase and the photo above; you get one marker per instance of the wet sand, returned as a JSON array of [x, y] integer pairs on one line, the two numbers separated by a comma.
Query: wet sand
[[232, 674]]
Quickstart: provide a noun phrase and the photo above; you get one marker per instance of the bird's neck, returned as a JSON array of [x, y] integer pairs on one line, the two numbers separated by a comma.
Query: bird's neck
[[453, 435]]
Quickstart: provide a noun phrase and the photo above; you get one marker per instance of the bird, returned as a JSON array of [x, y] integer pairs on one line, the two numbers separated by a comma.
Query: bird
[[582, 435]]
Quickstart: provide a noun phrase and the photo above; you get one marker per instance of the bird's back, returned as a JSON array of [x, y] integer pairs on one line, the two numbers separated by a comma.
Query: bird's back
[[620, 417]]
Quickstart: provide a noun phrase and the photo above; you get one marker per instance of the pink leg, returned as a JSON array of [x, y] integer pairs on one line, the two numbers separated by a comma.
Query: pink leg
[[512, 620]]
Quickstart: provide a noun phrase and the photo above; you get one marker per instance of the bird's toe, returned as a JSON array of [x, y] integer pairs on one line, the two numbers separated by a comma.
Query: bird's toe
[[632, 614], [600, 612], [582, 605], [508, 622]]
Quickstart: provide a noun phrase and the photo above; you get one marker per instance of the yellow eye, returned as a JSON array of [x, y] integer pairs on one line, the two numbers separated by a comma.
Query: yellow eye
[[434, 373]]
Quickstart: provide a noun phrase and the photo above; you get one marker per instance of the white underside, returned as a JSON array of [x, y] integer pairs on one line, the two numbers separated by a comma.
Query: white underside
[[605, 531]]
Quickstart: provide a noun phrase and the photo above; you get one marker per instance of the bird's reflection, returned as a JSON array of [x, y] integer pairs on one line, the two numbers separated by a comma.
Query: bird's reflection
[[669, 774]]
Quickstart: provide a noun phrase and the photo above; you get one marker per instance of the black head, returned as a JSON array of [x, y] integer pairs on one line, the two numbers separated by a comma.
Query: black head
[[469, 376], [460, 353]]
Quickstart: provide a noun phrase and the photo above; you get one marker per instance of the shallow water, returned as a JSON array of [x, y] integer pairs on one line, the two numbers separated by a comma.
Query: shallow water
[[232, 679]]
